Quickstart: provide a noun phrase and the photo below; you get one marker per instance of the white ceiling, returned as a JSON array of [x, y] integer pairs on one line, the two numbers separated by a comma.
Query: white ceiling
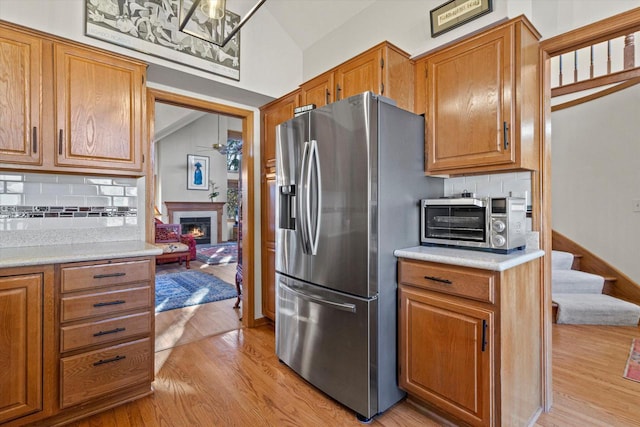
[[308, 21]]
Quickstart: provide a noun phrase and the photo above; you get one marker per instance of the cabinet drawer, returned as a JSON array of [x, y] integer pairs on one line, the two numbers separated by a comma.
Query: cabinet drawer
[[86, 334], [469, 283], [96, 275], [97, 373], [104, 303]]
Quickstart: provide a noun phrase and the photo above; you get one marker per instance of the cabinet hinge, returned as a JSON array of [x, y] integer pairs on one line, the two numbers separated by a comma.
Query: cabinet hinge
[[143, 158], [142, 78]]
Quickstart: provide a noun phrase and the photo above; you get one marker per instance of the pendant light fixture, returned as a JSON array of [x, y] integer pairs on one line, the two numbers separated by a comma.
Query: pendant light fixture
[[207, 20]]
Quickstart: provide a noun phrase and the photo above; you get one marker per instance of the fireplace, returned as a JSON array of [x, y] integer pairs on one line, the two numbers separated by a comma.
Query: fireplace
[[198, 227], [183, 212]]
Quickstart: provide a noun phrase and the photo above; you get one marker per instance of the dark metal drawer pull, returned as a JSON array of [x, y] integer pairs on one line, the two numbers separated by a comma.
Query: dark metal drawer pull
[[439, 280], [484, 335], [35, 139], [116, 302], [102, 276], [113, 359], [112, 331]]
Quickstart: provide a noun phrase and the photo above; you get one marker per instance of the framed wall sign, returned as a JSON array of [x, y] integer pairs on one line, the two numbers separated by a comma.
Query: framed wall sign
[[454, 13], [151, 27], [197, 172]]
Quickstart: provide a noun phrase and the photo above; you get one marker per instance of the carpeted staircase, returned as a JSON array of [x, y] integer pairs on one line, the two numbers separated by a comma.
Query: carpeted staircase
[[579, 298]]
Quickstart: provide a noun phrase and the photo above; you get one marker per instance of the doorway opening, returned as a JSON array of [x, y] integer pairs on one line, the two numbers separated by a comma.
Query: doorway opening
[[245, 178]]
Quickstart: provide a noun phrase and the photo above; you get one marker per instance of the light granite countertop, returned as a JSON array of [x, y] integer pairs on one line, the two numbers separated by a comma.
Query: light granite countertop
[[469, 258], [56, 254]]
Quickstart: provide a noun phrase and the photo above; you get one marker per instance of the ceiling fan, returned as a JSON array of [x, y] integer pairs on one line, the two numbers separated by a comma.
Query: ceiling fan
[[232, 147]]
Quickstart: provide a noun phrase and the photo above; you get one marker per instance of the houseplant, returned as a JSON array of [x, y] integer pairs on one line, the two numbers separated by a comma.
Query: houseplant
[[214, 191]]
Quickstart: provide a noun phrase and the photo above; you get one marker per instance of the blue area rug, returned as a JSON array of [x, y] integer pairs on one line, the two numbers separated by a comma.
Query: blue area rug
[[184, 289], [222, 253]]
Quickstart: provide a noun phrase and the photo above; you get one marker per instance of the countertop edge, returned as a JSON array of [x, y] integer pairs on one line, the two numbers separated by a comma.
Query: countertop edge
[[29, 256], [469, 258]]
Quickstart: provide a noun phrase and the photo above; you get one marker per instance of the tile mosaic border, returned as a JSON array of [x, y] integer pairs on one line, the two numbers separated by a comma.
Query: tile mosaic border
[[12, 211]]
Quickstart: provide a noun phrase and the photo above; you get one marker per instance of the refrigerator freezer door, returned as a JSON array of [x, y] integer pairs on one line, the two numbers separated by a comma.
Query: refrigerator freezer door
[[332, 343], [327, 158]]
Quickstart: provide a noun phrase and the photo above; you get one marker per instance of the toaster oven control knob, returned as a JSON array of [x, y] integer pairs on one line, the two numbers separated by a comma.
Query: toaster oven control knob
[[498, 226], [498, 240]]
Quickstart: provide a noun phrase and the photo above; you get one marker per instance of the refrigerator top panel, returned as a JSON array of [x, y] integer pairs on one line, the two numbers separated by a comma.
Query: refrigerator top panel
[[324, 173]]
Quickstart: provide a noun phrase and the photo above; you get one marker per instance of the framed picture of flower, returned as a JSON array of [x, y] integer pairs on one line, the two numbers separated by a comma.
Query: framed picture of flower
[[197, 172]]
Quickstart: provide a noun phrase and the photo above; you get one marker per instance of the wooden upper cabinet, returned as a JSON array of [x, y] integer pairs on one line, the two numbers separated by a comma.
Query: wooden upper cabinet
[[67, 107], [99, 115], [272, 115], [384, 70], [21, 82], [319, 90], [481, 99], [360, 74]]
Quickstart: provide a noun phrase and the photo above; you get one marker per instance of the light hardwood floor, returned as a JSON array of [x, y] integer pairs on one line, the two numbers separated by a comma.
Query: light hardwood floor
[[235, 379], [588, 387], [182, 326]]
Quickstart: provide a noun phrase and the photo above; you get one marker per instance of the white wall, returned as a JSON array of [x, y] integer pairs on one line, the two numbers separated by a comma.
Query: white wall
[[596, 177], [171, 162], [405, 23], [261, 71], [195, 138]]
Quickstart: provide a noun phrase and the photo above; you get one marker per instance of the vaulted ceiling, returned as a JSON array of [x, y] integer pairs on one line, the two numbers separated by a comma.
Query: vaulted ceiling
[[308, 21]]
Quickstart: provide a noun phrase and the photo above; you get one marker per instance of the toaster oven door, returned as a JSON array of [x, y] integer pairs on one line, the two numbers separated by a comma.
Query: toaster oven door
[[455, 224]]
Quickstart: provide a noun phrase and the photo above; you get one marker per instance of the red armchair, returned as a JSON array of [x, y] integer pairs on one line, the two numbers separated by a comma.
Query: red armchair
[[175, 245]]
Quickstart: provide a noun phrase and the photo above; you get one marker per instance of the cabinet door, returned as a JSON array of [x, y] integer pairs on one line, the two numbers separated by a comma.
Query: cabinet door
[[21, 83], [318, 91], [269, 248], [272, 116], [361, 74], [446, 354], [469, 103], [99, 114], [21, 345]]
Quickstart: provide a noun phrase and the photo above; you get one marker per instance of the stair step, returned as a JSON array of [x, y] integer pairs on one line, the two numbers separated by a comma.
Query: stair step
[[576, 282], [595, 309], [561, 260]]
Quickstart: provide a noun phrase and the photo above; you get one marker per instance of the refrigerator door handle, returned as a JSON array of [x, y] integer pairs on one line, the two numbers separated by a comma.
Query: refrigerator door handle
[[314, 235], [337, 305], [303, 200]]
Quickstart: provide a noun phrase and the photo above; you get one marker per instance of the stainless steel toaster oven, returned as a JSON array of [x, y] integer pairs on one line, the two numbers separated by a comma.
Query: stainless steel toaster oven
[[496, 224]]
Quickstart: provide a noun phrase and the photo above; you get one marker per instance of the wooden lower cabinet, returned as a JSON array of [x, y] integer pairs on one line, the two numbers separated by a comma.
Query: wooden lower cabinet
[[22, 341], [269, 245], [80, 339], [269, 282], [470, 341], [448, 357]]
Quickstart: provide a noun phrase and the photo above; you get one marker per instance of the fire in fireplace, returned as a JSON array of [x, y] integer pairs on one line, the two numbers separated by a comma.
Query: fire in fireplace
[[199, 228]]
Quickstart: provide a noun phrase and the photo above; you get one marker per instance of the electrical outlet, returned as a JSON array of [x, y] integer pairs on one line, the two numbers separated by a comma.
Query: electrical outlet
[[636, 205]]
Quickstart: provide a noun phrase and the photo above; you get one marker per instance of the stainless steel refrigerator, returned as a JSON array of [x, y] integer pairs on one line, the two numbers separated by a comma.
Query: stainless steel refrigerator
[[349, 179]]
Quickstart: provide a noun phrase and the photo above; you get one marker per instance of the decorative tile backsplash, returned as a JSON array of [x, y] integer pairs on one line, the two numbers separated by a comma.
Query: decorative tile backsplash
[[36, 209], [64, 211], [517, 184]]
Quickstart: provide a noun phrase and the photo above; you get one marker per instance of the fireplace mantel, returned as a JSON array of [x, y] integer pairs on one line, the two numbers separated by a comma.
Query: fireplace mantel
[[195, 207]]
